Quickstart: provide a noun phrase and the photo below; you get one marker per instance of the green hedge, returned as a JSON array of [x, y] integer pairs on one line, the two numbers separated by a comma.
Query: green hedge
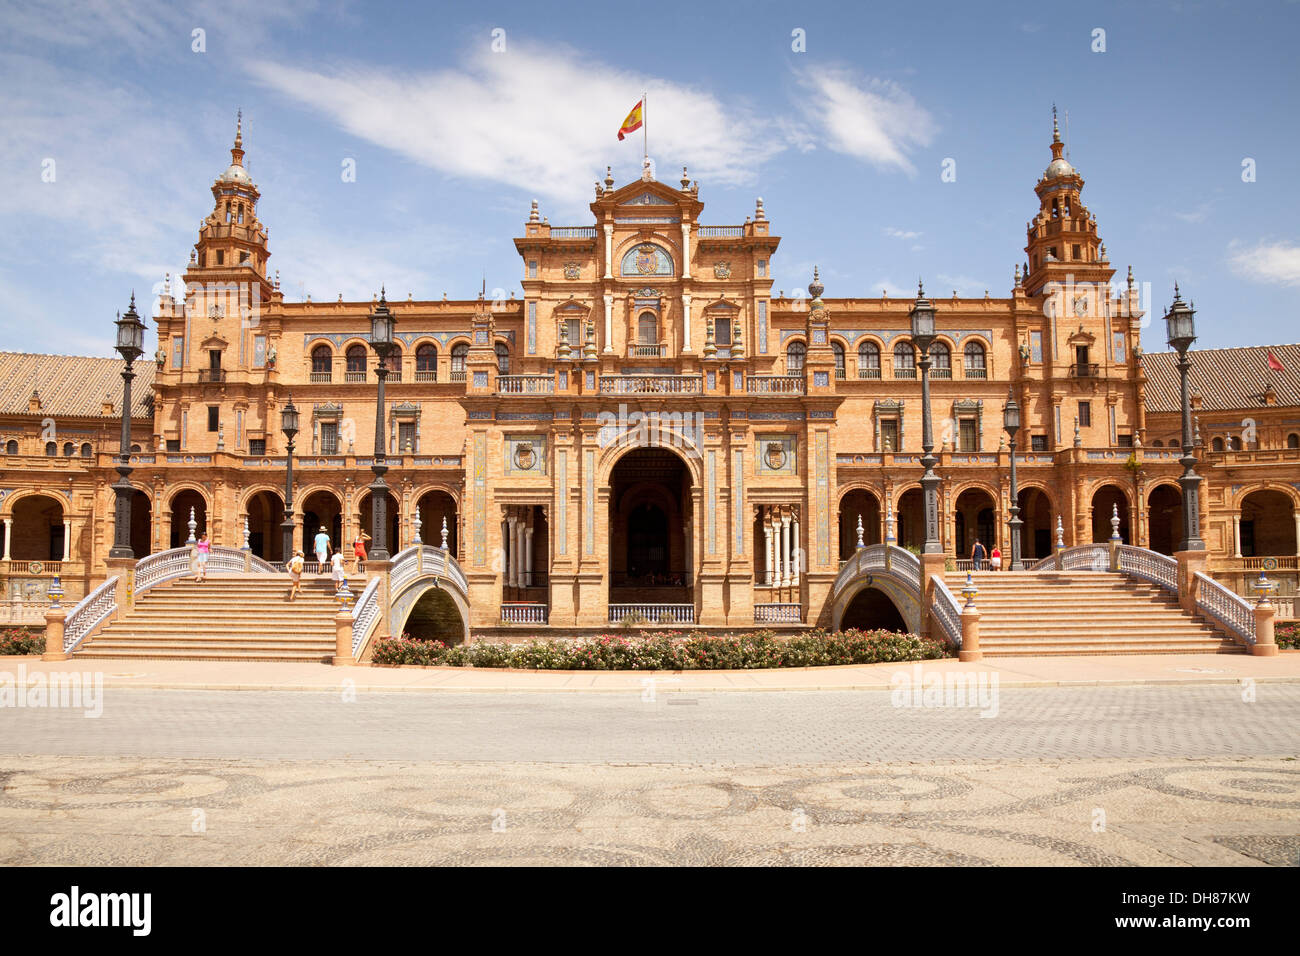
[[670, 651], [22, 640]]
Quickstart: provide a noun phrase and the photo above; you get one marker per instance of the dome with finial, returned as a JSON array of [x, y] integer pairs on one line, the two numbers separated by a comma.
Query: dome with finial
[[1059, 166], [235, 172]]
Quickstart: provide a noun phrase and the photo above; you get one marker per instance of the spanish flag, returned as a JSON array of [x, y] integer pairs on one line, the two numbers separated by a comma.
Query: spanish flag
[[633, 121]]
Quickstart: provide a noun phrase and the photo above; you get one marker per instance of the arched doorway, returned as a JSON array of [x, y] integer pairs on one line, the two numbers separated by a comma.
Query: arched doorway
[[367, 518], [37, 529], [322, 509], [141, 524], [435, 507], [872, 610], [650, 557], [1164, 519], [911, 520], [181, 504], [974, 518], [265, 517], [1267, 524], [1105, 501], [858, 503], [1036, 532], [435, 617]]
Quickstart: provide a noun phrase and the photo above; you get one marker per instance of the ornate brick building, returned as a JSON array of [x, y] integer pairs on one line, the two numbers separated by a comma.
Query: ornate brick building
[[651, 424]]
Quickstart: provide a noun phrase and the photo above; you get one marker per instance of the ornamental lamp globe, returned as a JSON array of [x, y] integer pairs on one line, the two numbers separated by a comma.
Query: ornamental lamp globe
[[289, 419], [922, 316], [381, 327], [1180, 323], [1011, 414], [130, 334]]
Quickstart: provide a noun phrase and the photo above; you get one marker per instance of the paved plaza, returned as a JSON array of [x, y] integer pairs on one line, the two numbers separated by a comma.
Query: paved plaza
[[1145, 775]]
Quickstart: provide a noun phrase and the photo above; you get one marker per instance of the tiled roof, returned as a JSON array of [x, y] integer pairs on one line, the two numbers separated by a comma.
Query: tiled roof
[[1226, 378], [72, 385]]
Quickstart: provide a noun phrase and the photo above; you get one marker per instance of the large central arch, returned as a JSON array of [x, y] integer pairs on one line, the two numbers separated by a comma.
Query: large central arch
[[651, 515]]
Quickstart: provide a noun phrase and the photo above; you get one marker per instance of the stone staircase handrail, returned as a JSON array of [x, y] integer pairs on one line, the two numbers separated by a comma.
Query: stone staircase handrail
[[1226, 607], [425, 559], [89, 613], [1150, 566], [1081, 557], [889, 558], [944, 608], [365, 614], [163, 566]]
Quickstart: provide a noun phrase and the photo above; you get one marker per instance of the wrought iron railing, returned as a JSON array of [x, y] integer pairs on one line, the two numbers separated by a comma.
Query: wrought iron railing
[[1229, 609], [89, 613]]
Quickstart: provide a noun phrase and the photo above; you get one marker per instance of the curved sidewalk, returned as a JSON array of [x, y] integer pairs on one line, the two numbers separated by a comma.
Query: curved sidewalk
[[1011, 672]]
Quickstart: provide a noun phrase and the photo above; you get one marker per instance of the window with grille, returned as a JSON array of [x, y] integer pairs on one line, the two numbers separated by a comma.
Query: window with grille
[[405, 437], [1038, 443], [966, 434], [257, 446], [329, 438], [888, 434], [1085, 414], [794, 355], [904, 361]]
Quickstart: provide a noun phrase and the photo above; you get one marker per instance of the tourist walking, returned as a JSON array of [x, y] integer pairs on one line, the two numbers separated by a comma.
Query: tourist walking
[[338, 570], [359, 550], [322, 545], [995, 559], [977, 556], [295, 573], [202, 548]]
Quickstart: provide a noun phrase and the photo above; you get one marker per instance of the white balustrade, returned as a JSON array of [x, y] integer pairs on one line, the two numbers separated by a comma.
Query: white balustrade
[[523, 613], [778, 613], [1227, 607], [653, 613], [774, 385], [89, 612], [651, 384]]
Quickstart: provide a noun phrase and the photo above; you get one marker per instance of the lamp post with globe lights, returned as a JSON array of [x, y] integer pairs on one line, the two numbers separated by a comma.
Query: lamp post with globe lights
[[288, 425], [1180, 325], [382, 323], [130, 345]]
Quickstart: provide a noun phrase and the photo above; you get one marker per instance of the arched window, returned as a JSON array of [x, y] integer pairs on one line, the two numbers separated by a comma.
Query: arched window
[[426, 363], [135, 449], [503, 358], [1157, 444], [11, 447], [794, 356], [355, 370], [1234, 443], [904, 360], [394, 364], [458, 353], [647, 329], [941, 356], [975, 361], [51, 450], [868, 360], [69, 449], [838, 350], [1216, 444], [85, 449], [322, 361], [1292, 440]]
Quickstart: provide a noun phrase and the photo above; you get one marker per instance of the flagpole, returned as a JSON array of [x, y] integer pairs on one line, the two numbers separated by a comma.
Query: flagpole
[[645, 126]]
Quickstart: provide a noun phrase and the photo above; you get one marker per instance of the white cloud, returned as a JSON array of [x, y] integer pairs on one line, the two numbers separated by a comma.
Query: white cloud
[[870, 119], [1277, 262], [963, 284], [900, 233], [890, 288], [540, 121]]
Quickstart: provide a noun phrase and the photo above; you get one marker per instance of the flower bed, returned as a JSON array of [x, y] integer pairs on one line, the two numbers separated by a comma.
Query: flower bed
[[670, 651], [22, 640], [1287, 636]]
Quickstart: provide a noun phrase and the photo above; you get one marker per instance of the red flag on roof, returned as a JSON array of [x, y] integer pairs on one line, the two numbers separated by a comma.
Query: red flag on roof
[[1273, 363]]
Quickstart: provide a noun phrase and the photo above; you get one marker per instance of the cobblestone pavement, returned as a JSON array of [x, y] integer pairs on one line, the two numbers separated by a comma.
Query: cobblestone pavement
[[116, 810], [1086, 776], [773, 728]]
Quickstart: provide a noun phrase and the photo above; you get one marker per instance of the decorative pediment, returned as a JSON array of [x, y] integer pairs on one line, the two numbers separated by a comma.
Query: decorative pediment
[[406, 410], [646, 198], [213, 342], [1080, 337], [327, 411]]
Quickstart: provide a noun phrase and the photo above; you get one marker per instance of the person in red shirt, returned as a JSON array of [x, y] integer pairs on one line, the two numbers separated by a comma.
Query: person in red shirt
[[359, 550], [995, 559]]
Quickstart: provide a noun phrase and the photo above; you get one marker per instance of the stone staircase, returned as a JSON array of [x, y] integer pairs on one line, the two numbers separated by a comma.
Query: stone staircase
[[230, 617], [1082, 612]]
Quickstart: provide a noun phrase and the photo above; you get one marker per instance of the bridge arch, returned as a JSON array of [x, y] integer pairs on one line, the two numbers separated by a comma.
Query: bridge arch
[[892, 575]]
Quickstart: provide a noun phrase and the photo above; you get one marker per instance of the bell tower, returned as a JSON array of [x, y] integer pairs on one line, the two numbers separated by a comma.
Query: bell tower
[[231, 239], [1062, 238]]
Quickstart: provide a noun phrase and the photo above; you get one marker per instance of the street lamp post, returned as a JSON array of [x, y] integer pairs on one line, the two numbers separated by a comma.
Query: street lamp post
[[381, 340], [288, 425], [130, 345], [922, 316], [1011, 422], [1181, 327]]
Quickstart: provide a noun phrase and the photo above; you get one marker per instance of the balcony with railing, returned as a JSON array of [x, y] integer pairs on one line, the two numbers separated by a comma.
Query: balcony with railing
[[525, 384], [652, 384], [573, 232], [868, 372], [906, 371], [1084, 370], [523, 612], [775, 385], [426, 375], [319, 377], [721, 232], [354, 375], [976, 371], [944, 372], [457, 375], [647, 351]]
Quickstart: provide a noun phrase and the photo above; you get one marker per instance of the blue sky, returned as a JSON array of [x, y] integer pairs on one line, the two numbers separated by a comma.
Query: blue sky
[[845, 142]]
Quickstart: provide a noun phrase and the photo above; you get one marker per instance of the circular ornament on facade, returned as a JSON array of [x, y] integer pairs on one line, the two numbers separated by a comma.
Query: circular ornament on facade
[[775, 455], [35, 567], [525, 457], [722, 270], [572, 270], [1269, 564]]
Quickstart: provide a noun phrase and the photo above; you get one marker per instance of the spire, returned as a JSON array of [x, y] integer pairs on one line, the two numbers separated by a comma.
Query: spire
[[1056, 130], [237, 151]]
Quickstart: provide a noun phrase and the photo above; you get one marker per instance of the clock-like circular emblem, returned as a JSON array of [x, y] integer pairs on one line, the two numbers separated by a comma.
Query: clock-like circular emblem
[[775, 456], [647, 259], [1269, 564], [525, 457]]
